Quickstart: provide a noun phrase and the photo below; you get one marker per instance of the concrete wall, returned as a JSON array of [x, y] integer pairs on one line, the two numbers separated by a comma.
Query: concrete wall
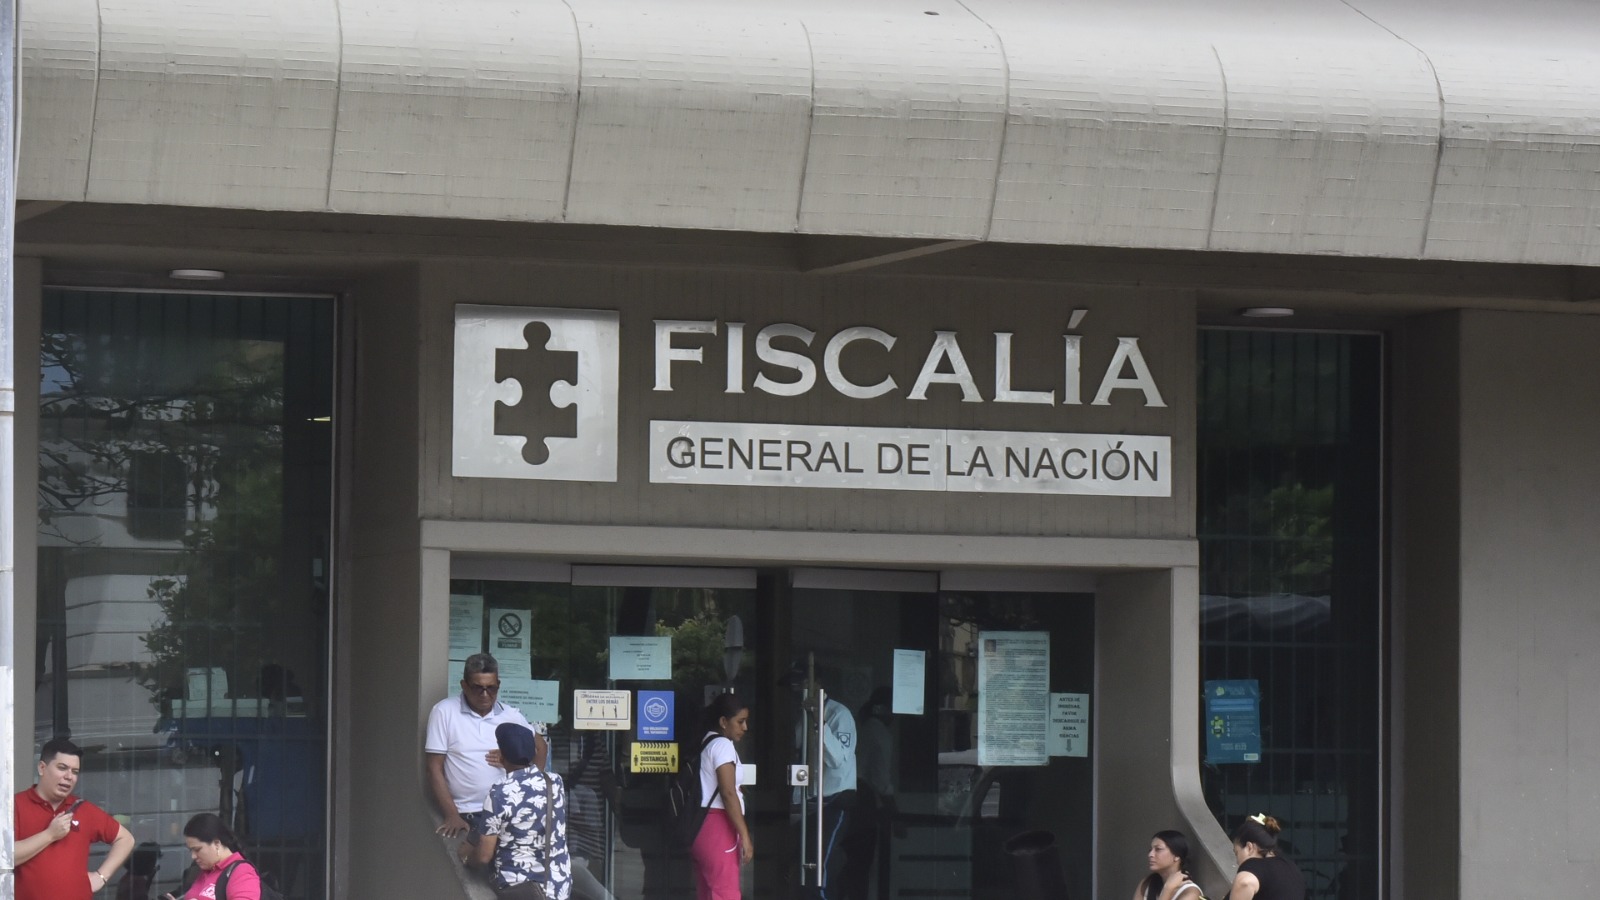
[[910, 308], [1530, 604], [1498, 779], [378, 770]]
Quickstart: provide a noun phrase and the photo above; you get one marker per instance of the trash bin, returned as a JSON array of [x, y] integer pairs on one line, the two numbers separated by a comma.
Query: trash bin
[[1038, 866]]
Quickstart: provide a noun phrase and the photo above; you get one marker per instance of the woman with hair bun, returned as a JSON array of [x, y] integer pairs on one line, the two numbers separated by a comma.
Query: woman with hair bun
[[1169, 870], [1263, 874], [216, 852]]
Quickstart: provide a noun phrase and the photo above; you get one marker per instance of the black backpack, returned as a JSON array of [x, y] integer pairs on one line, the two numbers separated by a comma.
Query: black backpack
[[267, 891], [685, 813]]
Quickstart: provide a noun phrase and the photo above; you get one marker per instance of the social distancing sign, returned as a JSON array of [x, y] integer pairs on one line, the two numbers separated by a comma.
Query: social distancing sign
[[654, 756]]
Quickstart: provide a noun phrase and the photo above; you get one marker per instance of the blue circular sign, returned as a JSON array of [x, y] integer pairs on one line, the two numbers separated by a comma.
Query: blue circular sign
[[655, 710]]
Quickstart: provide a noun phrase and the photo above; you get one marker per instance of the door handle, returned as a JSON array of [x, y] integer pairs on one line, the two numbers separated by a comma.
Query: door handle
[[800, 778], [822, 802]]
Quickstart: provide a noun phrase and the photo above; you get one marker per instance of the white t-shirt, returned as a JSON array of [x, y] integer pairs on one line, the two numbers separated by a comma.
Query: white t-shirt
[[718, 753], [464, 738]]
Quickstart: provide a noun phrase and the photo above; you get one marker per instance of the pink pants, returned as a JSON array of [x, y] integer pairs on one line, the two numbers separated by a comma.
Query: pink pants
[[716, 858]]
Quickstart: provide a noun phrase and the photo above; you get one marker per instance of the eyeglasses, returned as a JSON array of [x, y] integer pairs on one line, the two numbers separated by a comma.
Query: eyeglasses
[[484, 690]]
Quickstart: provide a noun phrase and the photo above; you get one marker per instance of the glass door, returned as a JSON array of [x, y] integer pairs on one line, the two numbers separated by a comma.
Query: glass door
[[924, 778], [864, 820]]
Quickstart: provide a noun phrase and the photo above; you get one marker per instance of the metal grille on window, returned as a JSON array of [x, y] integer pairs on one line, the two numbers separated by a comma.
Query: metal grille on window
[[1290, 534], [185, 466]]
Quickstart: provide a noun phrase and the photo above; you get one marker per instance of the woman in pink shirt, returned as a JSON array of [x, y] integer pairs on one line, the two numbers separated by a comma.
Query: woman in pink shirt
[[215, 851]]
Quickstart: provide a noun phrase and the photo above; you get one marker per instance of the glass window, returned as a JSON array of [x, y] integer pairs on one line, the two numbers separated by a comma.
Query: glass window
[[185, 467], [1001, 802], [925, 814], [614, 827], [1290, 427]]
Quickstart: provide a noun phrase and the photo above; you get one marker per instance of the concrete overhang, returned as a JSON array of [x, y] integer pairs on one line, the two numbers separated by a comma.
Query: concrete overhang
[[1409, 129]]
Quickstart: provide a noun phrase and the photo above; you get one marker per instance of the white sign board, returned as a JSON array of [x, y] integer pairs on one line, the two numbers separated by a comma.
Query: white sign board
[[910, 459], [535, 393], [602, 710], [1069, 724]]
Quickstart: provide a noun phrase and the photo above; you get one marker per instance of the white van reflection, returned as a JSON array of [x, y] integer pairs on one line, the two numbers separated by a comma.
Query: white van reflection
[[967, 790]]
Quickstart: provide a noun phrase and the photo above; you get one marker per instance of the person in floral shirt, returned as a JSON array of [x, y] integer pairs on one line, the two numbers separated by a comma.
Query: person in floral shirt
[[525, 825]]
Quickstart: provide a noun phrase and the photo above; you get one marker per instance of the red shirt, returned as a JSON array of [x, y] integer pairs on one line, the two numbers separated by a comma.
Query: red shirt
[[61, 870]]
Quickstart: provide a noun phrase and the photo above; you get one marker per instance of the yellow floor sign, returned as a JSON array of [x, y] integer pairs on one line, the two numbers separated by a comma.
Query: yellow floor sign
[[655, 756]]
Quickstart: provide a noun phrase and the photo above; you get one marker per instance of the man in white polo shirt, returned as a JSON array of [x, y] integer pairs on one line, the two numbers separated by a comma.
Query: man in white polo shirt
[[462, 754]]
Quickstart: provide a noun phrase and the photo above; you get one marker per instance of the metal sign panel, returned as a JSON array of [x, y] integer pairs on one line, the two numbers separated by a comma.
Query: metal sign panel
[[535, 393], [910, 459]]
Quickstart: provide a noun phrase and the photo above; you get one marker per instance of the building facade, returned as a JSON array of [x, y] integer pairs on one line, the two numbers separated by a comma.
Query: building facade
[[918, 349]]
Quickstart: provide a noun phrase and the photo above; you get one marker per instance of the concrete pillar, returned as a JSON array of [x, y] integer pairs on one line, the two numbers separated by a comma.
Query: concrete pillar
[[1497, 612], [390, 849], [1148, 647]]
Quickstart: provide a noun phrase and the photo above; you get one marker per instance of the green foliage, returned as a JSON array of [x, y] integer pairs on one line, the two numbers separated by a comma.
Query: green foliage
[[697, 646], [1302, 520], [215, 611], [223, 420], [1274, 540]]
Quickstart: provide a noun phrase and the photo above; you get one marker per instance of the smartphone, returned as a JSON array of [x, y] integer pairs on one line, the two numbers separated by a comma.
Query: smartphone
[[72, 809]]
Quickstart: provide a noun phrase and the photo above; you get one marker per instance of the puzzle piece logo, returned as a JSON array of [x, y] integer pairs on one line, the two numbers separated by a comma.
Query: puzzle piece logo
[[535, 393], [540, 369]]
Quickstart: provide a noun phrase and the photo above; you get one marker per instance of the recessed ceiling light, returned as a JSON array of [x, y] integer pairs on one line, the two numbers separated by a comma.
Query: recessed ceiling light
[[197, 274], [1266, 312]]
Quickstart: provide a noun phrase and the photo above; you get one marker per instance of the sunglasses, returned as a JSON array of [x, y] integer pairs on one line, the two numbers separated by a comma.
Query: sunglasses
[[484, 690]]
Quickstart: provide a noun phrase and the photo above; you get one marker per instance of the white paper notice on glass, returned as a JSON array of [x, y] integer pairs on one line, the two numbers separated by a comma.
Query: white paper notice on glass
[[452, 675], [1013, 698], [511, 641], [910, 682], [466, 626], [602, 710], [538, 701], [641, 658], [1069, 724]]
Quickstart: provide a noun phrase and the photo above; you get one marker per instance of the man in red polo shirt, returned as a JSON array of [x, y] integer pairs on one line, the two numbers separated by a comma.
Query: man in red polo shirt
[[55, 829]]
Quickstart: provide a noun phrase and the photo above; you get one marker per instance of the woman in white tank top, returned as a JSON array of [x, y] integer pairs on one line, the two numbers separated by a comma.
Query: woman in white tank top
[[724, 839], [1169, 870]]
